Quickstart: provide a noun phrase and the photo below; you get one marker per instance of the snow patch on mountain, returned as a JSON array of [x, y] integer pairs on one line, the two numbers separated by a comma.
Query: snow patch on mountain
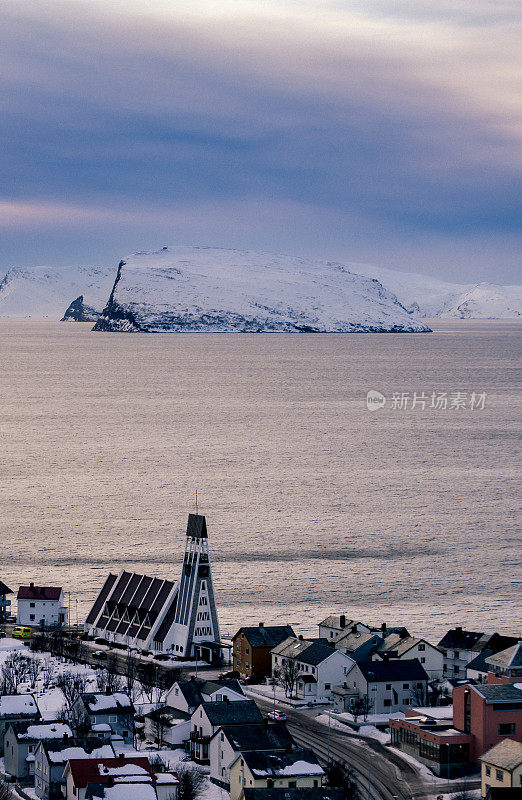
[[199, 288], [49, 291], [425, 296]]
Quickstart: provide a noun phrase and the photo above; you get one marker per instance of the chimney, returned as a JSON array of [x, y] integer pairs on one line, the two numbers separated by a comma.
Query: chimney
[[300, 637], [66, 736], [31, 585], [383, 627], [458, 629], [403, 634], [108, 691], [342, 621], [226, 698], [110, 781], [121, 756], [354, 628], [261, 624]]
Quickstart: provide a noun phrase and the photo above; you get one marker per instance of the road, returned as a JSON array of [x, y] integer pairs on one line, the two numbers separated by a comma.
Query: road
[[379, 772]]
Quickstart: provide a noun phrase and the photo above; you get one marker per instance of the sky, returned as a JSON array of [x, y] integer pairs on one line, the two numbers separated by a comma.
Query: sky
[[375, 131]]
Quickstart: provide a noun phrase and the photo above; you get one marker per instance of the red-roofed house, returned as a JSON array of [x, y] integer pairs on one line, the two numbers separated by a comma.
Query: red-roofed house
[[84, 776], [41, 605]]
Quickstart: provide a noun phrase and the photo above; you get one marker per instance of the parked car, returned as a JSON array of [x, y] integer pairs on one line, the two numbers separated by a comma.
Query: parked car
[[21, 632], [228, 676], [277, 716], [99, 654], [162, 657]]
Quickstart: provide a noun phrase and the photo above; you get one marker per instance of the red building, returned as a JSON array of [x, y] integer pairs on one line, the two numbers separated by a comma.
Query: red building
[[483, 716], [489, 712]]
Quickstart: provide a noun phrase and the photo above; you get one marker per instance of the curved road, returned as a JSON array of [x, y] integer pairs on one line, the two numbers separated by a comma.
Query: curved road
[[379, 772]]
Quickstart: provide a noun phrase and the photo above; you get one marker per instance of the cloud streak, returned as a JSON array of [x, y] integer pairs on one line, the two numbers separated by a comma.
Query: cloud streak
[[405, 121]]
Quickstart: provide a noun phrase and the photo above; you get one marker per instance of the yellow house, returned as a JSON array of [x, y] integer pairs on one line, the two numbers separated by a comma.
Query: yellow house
[[502, 766], [274, 769]]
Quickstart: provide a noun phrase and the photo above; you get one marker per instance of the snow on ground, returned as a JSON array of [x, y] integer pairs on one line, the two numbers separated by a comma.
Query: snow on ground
[[280, 696], [7, 645], [371, 732], [372, 719], [50, 703]]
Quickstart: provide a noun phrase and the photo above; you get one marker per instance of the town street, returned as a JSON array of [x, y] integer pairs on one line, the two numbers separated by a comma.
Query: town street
[[380, 773]]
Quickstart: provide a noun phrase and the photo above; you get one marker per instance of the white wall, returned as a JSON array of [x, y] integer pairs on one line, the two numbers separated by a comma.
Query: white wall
[[30, 612]]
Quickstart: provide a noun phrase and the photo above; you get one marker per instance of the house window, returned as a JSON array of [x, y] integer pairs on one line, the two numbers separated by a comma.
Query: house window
[[405, 685], [387, 703], [488, 771], [31, 605], [406, 701], [388, 686], [327, 685], [31, 616], [499, 774], [292, 784], [125, 734], [506, 728], [457, 670], [316, 783], [247, 651], [422, 647], [423, 660], [113, 719], [456, 653]]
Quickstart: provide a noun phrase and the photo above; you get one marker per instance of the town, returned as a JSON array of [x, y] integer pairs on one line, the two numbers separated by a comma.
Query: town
[[146, 701]]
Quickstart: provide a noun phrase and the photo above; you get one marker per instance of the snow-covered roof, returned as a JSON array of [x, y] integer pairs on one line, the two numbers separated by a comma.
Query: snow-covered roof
[[18, 705], [65, 754], [117, 702], [45, 730], [143, 791], [276, 763], [102, 727]]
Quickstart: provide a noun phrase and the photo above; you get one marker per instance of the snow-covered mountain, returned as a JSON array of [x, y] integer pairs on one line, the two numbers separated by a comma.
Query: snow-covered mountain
[[425, 296], [49, 291], [249, 289], [198, 288]]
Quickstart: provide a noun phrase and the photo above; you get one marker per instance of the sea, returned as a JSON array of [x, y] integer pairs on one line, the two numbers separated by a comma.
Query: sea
[[407, 513]]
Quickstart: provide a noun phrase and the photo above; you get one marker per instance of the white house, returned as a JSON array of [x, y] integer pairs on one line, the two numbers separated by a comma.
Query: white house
[[390, 685], [41, 605], [405, 647], [186, 696], [208, 717], [319, 666], [230, 740], [338, 624]]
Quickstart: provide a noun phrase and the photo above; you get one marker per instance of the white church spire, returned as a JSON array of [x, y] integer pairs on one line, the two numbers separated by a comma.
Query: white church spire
[[196, 624]]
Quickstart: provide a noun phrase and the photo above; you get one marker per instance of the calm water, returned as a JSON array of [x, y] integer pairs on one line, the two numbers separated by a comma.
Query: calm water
[[314, 504]]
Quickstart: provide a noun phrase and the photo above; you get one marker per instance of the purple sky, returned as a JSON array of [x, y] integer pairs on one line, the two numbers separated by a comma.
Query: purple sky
[[385, 131]]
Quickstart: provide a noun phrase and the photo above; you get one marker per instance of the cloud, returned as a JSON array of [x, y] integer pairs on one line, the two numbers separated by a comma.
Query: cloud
[[399, 115]]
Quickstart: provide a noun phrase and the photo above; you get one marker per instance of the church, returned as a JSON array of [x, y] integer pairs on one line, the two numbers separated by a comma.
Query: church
[[177, 617]]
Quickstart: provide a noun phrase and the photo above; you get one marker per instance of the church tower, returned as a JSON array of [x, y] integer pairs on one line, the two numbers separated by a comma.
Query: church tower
[[196, 627]]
